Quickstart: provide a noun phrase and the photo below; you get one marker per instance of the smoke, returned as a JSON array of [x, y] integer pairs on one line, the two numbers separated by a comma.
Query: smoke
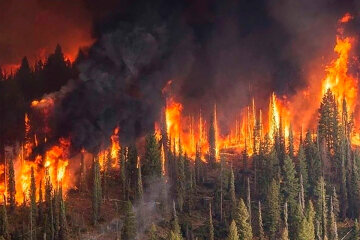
[[120, 84], [223, 53]]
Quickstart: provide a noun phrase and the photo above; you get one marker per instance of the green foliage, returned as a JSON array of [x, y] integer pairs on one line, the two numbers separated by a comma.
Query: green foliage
[[289, 185], [273, 209], [356, 231], [303, 168], [243, 222], [233, 233], [152, 168], [261, 234], [129, 227], [152, 234]]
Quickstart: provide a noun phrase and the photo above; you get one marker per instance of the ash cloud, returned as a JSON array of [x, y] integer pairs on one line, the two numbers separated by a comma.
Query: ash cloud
[[215, 52]]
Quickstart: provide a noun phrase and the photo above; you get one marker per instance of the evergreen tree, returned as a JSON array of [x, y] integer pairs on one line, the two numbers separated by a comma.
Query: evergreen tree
[[261, 234], [243, 222], [97, 192], [49, 211], [285, 232], [356, 231], [129, 227], [232, 193], [289, 186], [4, 228], [333, 224], [152, 159], [63, 230], [321, 207], [180, 183], [123, 171], [212, 138], [106, 175], [175, 233], [248, 199], [197, 165], [233, 233], [302, 168], [211, 226], [273, 209], [313, 163], [310, 217], [291, 143], [335, 202], [153, 235], [11, 185], [33, 205], [131, 164]]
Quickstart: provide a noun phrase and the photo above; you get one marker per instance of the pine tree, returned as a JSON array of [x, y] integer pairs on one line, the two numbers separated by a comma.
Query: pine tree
[[129, 227], [285, 232], [152, 159], [261, 234], [11, 185], [97, 192], [313, 163], [335, 201], [333, 224], [212, 138], [242, 221], [211, 226], [233, 233], [4, 228], [303, 169], [197, 165], [49, 210], [291, 143], [123, 171], [248, 199], [289, 186], [273, 209], [131, 164], [106, 176], [63, 230], [153, 235], [180, 183], [356, 231], [33, 205], [321, 207], [232, 193], [310, 217], [175, 233]]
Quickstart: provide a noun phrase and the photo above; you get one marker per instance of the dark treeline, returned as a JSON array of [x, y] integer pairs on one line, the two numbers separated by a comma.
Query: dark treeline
[[29, 82]]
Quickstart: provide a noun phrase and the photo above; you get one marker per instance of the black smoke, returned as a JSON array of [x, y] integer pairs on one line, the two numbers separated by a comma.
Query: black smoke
[[222, 52]]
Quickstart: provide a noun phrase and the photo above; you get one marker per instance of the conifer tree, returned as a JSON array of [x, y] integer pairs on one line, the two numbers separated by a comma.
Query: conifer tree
[[211, 226], [180, 183], [63, 230], [313, 163], [273, 209], [175, 233], [4, 228], [106, 175], [11, 185], [242, 221], [321, 207], [33, 205], [333, 224], [212, 138], [129, 227], [197, 165], [335, 202], [122, 153], [152, 159], [233, 233], [153, 235], [49, 211], [303, 169], [261, 234], [97, 192], [285, 231], [302, 193], [291, 143], [356, 231], [289, 186], [248, 199], [310, 217], [131, 164], [232, 193]]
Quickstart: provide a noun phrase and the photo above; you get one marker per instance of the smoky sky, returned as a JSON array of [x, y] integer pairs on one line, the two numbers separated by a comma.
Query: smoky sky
[[222, 52]]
